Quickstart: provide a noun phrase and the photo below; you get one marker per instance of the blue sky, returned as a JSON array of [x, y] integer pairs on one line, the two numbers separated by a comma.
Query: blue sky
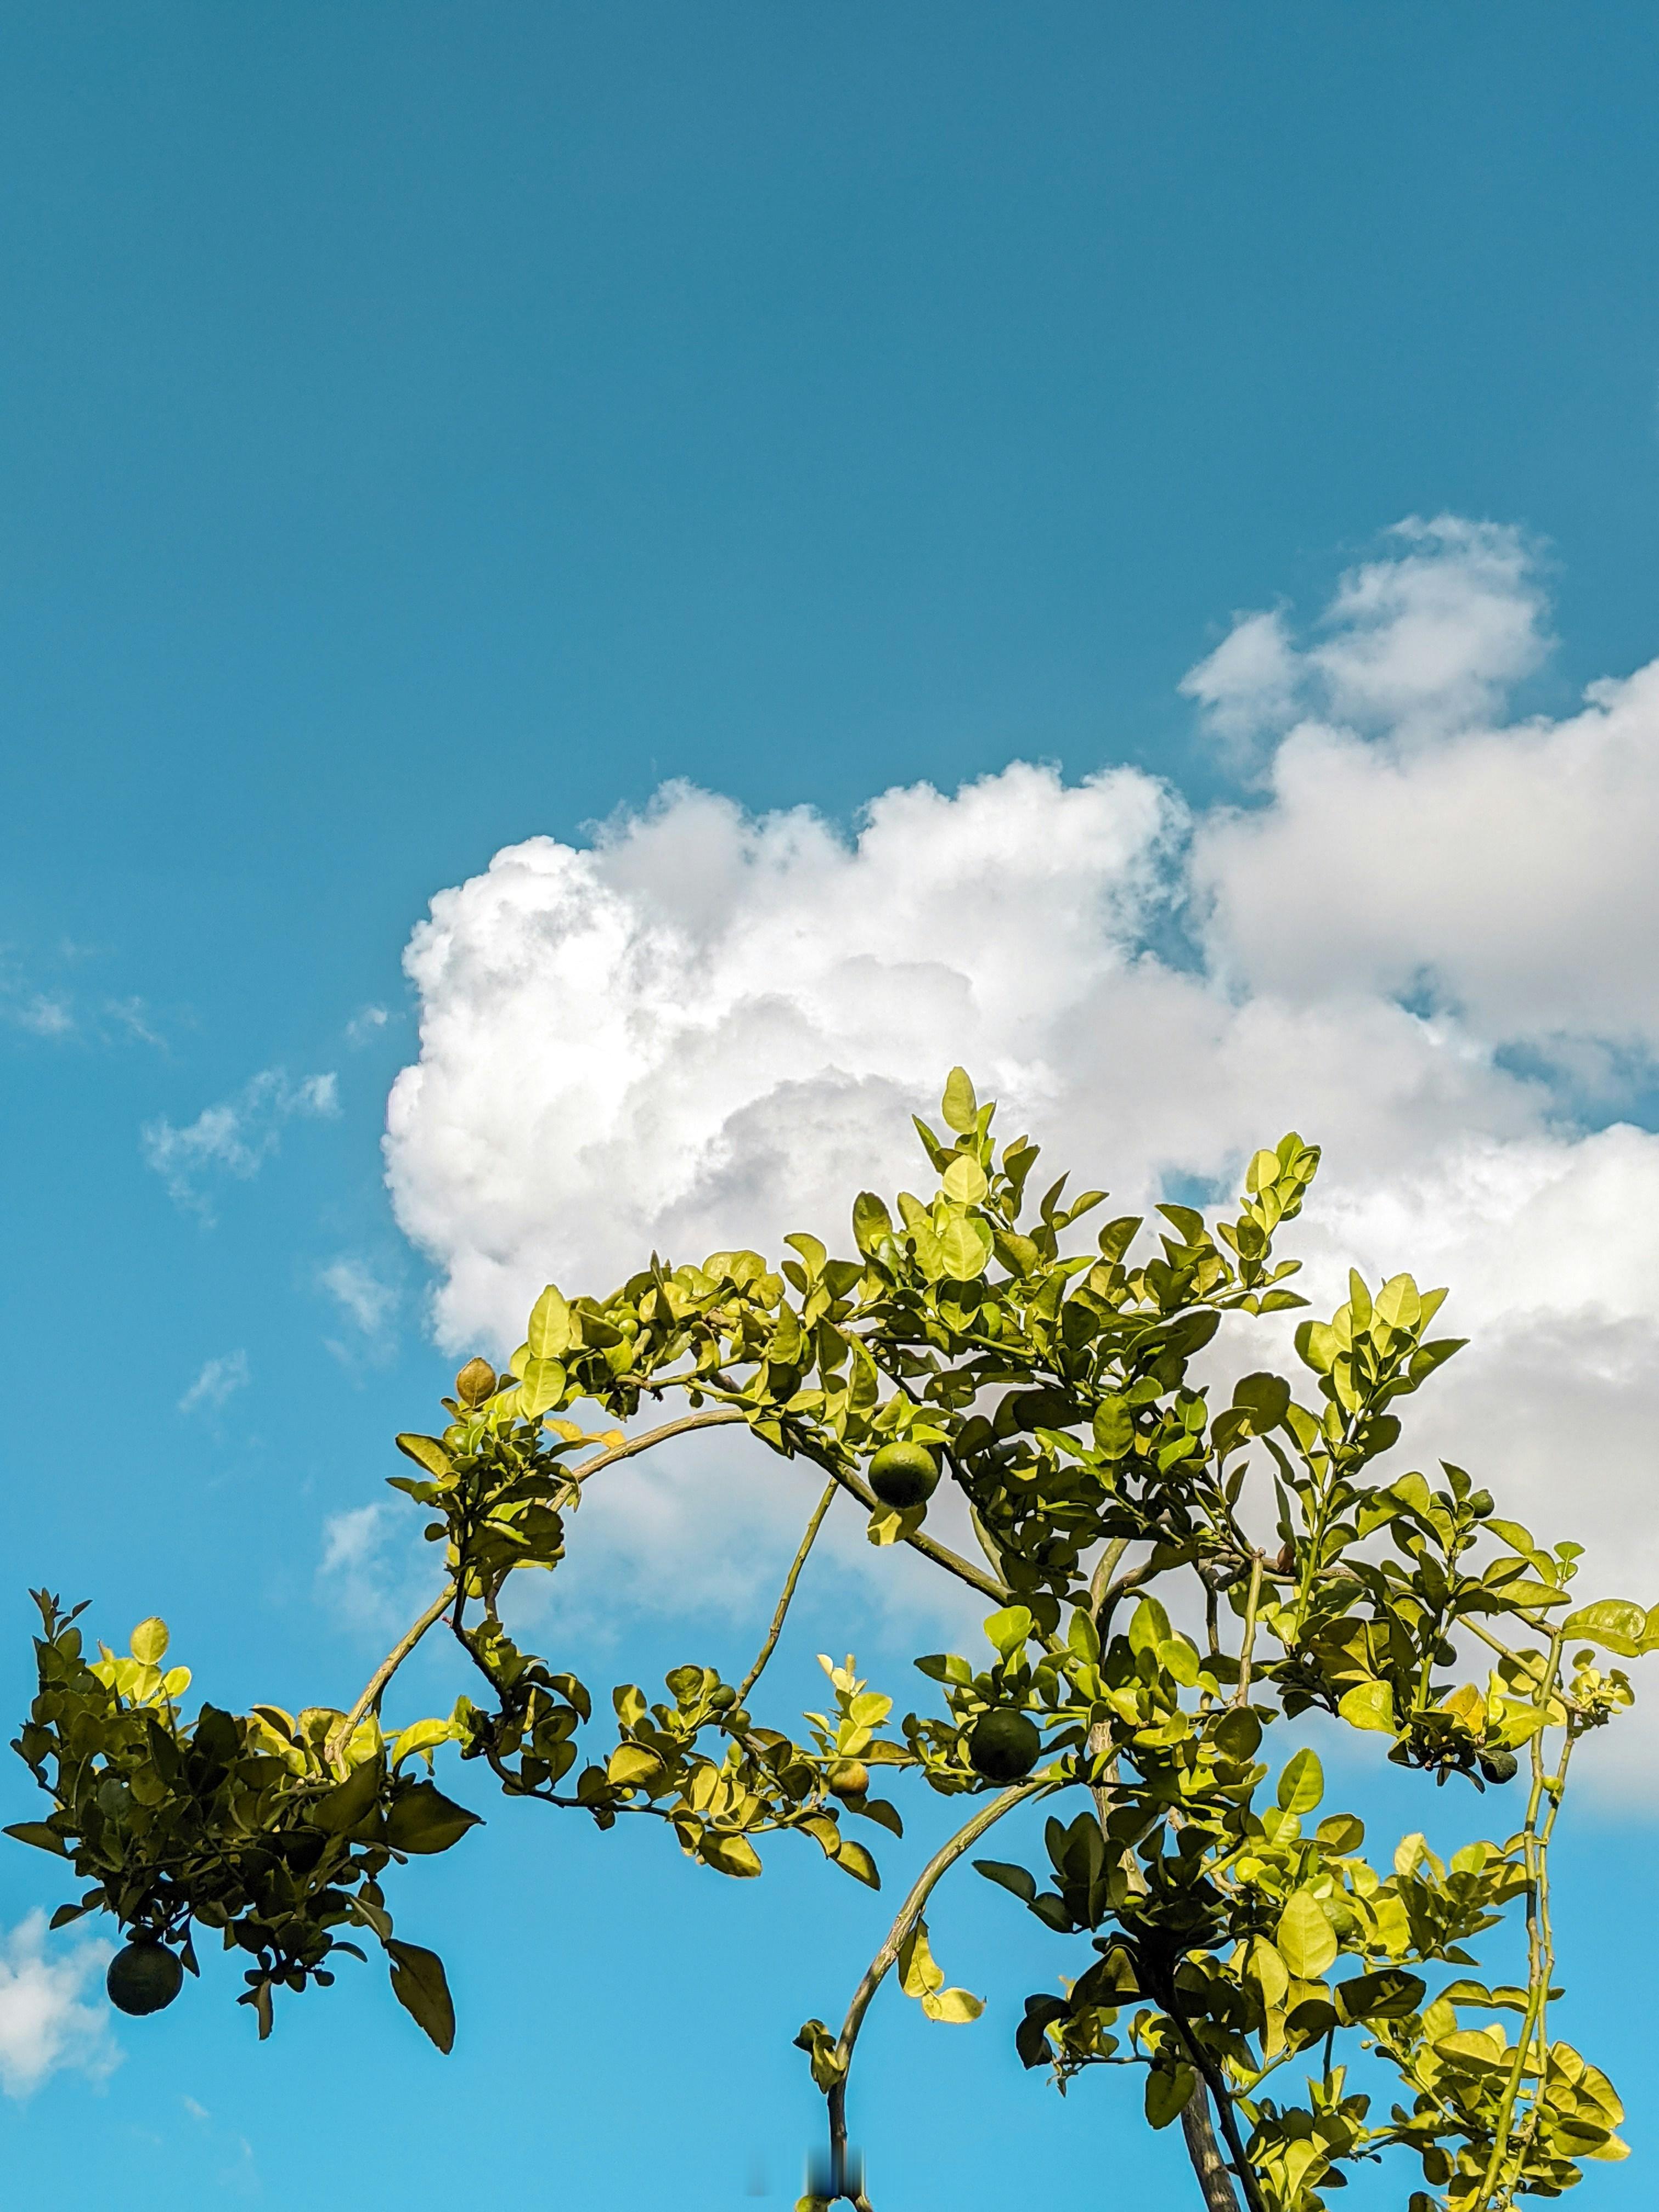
[[425, 430]]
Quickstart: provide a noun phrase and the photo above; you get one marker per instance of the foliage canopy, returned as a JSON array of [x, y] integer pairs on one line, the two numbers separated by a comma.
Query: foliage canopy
[[1225, 1934]]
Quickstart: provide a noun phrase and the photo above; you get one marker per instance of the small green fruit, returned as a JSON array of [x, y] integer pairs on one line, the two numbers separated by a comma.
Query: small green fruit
[[1003, 1745], [903, 1475], [144, 1976], [722, 1698], [1499, 1765], [850, 1778]]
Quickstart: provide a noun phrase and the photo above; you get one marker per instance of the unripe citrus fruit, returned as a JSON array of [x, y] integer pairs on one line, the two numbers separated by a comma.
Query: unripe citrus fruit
[[1499, 1765], [850, 1778], [144, 1976], [1003, 1746], [903, 1475]]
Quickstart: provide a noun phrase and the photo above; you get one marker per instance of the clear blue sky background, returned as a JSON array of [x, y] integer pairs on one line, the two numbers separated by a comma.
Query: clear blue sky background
[[422, 426]]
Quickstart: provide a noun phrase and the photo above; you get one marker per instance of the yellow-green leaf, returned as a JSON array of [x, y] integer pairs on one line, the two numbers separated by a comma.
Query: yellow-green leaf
[[150, 1640], [959, 1105], [1302, 1784], [956, 2008], [1369, 1705], [1305, 1939]]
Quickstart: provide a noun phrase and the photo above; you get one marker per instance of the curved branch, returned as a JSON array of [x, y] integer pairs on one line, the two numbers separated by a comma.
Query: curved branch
[[876, 1972], [633, 1444], [341, 1734], [940, 1554]]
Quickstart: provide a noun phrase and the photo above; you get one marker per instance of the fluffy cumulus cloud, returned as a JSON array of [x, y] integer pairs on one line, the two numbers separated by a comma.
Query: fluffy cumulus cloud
[[1426, 935], [46, 2023]]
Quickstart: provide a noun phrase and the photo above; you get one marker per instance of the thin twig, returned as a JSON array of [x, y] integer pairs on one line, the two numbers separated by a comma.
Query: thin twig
[[1248, 1643], [787, 1593], [876, 1972]]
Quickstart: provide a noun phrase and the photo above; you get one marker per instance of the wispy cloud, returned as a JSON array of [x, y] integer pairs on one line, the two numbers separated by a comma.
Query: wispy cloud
[[219, 1379], [376, 1568], [40, 1014], [366, 1024], [45, 2028], [236, 1137], [360, 1293]]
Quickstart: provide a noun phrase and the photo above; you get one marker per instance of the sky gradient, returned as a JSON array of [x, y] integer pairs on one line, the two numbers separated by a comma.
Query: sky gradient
[[427, 430]]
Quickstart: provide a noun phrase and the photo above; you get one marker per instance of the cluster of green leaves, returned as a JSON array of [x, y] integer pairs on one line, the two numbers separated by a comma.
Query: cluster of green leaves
[[1228, 1940], [239, 1823]]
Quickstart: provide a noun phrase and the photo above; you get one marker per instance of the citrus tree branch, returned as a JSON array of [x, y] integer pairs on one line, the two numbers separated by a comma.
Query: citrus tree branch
[[876, 1972], [375, 1688], [787, 1593], [634, 1444]]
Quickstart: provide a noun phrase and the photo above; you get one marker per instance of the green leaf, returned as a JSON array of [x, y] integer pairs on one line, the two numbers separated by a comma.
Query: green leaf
[[1614, 1623], [963, 1181], [733, 1855], [1114, 1428], [858, 1863], [427, 1452], [1265, 1398], [149, 1641], [423, 1820], [959, 1105], [1390, 1994], [1166, 2094], [1369, 1705], [38, 1833], [1302, 1784], [540, 1387], [340, 1809], [1008, 1876], [1010, 1630], [550, 1334], [1305, 1939], [956, 2008], [918, 1973], [421, 1986], [871, 1222], [1398, 1303], [965, 1250]]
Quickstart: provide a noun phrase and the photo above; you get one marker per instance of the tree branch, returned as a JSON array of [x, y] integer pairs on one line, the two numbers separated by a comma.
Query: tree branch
[[876, 1972], [341, 1734], [787, 1593]]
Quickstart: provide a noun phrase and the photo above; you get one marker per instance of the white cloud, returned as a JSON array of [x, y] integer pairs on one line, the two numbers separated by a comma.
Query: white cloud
[[360, 1295], [366, 1024], [45, 2028], [1252, 681], [1424, 641], [219, 1380], [235, 1137], [377, 1571], [1425, 944]]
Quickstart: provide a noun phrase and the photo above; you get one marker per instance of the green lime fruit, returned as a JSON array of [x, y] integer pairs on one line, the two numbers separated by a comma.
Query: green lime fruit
[[1004, 1746], [1499, 1765], [850, 1778], [722, 1698], [144, 1976], [903, 1475]]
